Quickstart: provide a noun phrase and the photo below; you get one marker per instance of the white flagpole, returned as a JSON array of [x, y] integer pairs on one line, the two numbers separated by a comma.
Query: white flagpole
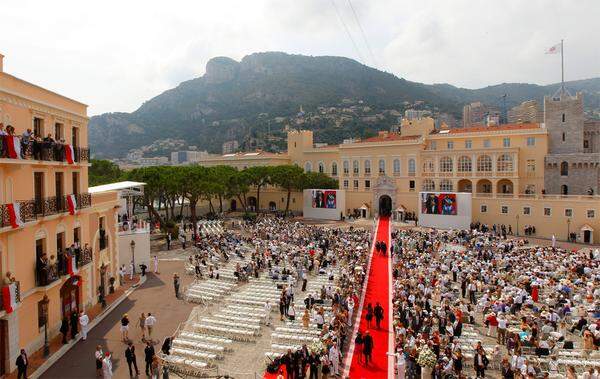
[[562, 67]]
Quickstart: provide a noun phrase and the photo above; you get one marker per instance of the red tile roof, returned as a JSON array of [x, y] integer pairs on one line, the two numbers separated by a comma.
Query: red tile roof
[[389, 137], [504, 127]]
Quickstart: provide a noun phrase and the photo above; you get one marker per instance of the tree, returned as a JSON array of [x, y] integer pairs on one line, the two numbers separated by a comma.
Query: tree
[[289, 178], [152, 190], [319, 180], [259, 176], [104, 172], [195, 183]]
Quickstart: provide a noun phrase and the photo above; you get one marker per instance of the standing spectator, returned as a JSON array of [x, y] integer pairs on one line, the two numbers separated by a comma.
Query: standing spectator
[[84, 321], [480, 362], [131, 270], [176, 283], [168, 241], [148, 355], [107, 366], [22, 363], [334, 357], [358, 342], [368, 347], [99, 355], [143, 267], [142, 325], [125, 328], [131, 359], [64, 329], [74, 324], [149, 323], [369, 315], [292, 312], [267, 313], [155, 368], [156, 265], [378, 314]]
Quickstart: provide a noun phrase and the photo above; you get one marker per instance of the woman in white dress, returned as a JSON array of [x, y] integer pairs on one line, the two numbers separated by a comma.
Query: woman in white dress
[[107, 366]]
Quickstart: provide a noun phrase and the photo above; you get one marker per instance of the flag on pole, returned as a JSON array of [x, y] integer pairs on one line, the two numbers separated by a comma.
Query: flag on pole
[[9, 297], [72, 204], [72, 266], [556, 49], [69, 154], [14, 215], [14, 147]]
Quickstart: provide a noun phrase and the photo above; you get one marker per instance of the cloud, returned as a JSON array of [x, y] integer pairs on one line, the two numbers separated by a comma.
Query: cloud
[[113, 55]]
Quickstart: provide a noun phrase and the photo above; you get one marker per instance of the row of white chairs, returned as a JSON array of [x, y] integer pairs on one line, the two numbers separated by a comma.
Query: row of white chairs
[[300, 330], [199, 355], [294, 337], [199, 346], [206, 338], [228, 332], [241, 319], [186, 366], [231, 324]]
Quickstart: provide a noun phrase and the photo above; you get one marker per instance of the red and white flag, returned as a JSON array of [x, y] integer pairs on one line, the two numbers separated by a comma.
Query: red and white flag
[[13, 145], [14, 215], [72, 266], [69, 154], [72, 204], [9, 297], [555, 49]]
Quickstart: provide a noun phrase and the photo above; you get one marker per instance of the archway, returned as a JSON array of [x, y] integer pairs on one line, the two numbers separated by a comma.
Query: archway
[[233, 205], [464, 185], [504, 186], [252, 203], [272, 206], [484, 186], [385, 205]]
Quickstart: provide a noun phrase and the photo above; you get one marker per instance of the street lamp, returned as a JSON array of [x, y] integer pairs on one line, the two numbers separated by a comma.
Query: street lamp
[[45, 302], [569, 229], [517, 224], [132, 244]]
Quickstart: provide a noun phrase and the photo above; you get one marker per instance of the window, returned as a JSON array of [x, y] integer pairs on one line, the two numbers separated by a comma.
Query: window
[[484, 163], [321, 167], [396, 166], [505, 163], [486, 143], [346, 183], [411, 185], [428, 166], [41, 314], [483, 208], [586, 144], [530, 141], [527, 211], [75, 181], [355, 167], [564, 169], [564, 136], [464, 164], [308, 167], [38, 126], [564, 189], [367, 167], [428, 185], [346, 167], [506, 142], [504, 209], [334, 169], [530, 166], [433, 145], [547, 211], [446, 185], [591, 213], [411, 167], [468, 144], [59, 132], [367, 184], [450, 145], [564, 117], [446, 164], [355, 184], [382, 166], [568, 212]]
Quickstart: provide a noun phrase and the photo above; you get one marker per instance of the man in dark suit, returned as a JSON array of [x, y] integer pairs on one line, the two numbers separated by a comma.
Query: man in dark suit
[[368, 347], [22, 363], [131, 360], [378, 314], [148, 355]]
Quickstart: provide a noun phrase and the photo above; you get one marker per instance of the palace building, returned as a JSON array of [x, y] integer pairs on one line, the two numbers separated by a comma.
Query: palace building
[[58, 246], [542, 175]]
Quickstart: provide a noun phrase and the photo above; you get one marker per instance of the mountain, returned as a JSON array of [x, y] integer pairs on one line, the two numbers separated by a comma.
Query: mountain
[[237, 100]]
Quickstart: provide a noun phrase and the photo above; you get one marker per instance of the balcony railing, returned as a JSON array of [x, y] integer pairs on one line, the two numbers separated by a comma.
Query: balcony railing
[[43, 151], [85, 256], [17, 294], [48, 272], [30, 210]]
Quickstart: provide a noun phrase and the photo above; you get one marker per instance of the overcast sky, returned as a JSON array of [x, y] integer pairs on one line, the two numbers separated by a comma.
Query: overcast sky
[[113, 55]]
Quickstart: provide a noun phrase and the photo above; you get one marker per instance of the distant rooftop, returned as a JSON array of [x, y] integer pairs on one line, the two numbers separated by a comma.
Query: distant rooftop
[[475, 129]]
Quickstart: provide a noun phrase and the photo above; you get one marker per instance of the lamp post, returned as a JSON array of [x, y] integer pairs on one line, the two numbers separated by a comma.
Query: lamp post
[[569, 229], [45, 302], [517, 217], [132, 244]]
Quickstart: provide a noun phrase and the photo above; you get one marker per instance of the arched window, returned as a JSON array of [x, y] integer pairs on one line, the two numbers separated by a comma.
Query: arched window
[[308, 167], [505, 163], [411, 166], [445, 185], [382, 166], [428, 185], [396, 166], [334, 169], [321, 167], [367, 166], [484, 163], [346, 166], [428, 166], [464, 164], [355, 167], [446, 164], [564, 169], [564, 189]]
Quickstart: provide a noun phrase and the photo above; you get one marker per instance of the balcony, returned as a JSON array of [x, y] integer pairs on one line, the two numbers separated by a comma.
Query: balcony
[[44, 151], [31, 210], [84, 257], [17, 294], [48, 272]]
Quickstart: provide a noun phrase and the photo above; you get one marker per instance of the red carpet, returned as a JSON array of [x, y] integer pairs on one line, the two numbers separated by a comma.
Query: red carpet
[[377, 291], [274, 376]]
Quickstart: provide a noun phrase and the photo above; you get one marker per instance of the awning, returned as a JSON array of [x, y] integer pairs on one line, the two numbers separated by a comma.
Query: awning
[[365, 206]]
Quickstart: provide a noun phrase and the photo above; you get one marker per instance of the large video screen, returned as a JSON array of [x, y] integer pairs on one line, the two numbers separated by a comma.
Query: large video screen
[[438, 204], [324, 199]]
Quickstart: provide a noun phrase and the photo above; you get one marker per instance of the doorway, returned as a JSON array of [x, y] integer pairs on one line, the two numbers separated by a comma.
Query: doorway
[[385, 206], [69, 296], [587, 236], [233, 205]]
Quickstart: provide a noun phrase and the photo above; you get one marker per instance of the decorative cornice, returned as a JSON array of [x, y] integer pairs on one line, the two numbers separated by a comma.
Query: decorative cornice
[[41, 108]]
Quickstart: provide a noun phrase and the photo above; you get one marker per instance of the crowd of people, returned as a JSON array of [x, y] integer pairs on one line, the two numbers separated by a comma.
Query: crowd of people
[[49, 269], [31, 145], [522, 301]]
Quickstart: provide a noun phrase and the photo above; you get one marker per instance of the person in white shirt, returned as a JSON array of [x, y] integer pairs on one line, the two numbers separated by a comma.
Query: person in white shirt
[[149, 323], [156, 264], [131, 270], [334, 357], [107, 366], [267, 313], [84, 320]]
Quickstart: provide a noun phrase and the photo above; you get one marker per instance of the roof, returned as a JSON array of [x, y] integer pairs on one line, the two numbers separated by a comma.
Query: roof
[[115, 186], [389, 137], [498, 128], [257, 153]]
